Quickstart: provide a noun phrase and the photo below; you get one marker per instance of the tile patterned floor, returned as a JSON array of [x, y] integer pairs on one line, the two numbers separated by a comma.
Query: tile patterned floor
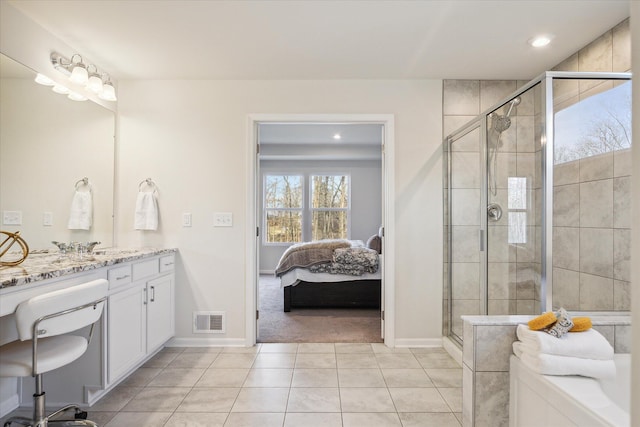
[[286, 385]]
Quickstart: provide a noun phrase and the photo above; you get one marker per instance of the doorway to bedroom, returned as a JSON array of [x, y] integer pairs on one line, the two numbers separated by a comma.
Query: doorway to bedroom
[[320, 214]]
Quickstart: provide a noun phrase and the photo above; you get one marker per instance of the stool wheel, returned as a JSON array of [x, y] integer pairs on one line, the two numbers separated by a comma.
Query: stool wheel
[[81, 415]]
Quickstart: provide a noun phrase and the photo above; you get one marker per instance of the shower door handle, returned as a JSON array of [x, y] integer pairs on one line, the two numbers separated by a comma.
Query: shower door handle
[[482, 241]]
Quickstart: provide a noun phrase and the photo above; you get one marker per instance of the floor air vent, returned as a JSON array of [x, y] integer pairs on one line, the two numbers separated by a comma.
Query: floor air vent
[[208, 322]]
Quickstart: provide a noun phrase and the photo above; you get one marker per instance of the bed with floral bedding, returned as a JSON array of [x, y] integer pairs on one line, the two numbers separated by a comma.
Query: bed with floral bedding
[[336, 273]]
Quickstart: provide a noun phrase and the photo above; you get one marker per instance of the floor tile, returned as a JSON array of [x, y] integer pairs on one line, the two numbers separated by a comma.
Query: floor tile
[[366, 400], [353, 348], [269, 378], [428, 420], [315, 378], [209, 400], [116, 399], [161, 360], [279, 348], [237, 419], [203, 419], [231, 377], [193, 360], [275, 360], [445, 377], [406, 378], [139, 419], [247, 350], [314, 400], [418, 400], [381, 419], [316, 360], [350, 360], [397, 361], [436, 360], [261, 400], [326, 419], [100, 418], [316, 348], [141, 377], [380, 348], [453, 397], [157, 399], [177, 377], [234, 360], [360, 378], [212, 350]]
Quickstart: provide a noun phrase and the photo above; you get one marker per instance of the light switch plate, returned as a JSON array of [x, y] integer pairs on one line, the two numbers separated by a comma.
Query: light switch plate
[[47, 219], [186, 219], [12, 218], [222, 219]]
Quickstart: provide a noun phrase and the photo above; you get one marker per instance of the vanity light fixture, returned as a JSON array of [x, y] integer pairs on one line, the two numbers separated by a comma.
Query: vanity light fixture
[[44, 80], [80, 73]]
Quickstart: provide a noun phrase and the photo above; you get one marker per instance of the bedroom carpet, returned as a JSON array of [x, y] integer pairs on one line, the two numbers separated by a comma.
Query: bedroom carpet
[[312, 325]]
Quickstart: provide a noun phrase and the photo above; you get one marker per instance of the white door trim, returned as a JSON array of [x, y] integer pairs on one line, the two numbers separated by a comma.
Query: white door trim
[[388, 219]]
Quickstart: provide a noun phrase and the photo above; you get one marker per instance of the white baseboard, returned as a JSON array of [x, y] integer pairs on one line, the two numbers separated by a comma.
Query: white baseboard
[[9, 405], [452, 348], [418, 342], [206, 342], [271, 272]]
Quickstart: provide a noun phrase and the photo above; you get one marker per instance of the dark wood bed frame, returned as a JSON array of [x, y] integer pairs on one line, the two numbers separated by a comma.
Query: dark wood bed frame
[[350, 294]]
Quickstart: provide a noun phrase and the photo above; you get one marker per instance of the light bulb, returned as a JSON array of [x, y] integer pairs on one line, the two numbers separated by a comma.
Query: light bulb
[[94, 84], [74, 96], [79, 74], [540, 41], [44, 80], [108, 92], [60, 89]]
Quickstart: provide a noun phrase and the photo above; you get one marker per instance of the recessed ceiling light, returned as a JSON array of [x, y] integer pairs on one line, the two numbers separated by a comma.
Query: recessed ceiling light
[[337, 136], [540, 41]]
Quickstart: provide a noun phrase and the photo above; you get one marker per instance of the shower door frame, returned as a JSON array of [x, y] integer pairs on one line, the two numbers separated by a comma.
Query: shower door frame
[[546, 140]]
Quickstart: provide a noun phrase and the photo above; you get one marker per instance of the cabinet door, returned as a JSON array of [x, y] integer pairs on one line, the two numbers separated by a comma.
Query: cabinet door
[[160, 312], [126, 330]]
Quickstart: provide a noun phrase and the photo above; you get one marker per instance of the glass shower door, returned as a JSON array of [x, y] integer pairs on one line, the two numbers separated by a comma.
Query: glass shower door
[[464, 266]]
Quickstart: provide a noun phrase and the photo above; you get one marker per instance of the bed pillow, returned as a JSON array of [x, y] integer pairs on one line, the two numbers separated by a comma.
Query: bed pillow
[[375, 243]]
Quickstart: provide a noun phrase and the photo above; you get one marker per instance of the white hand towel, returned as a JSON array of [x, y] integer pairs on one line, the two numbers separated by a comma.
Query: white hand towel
[[588, 344], [81, 213], [146, 216], [549, 364]]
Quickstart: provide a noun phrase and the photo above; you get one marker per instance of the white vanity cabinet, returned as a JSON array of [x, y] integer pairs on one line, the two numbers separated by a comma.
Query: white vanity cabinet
[[140, 313]]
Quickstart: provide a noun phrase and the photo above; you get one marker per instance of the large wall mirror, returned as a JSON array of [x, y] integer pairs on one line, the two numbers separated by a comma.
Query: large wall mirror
[[47, 144]]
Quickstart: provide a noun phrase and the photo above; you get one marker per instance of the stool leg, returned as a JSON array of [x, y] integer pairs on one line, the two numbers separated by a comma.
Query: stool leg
[[39, 416], [20, 420]]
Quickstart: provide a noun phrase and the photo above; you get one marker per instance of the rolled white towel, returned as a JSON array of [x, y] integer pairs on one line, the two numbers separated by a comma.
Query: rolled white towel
[[146, 215], [549, 364], [587, 345], [81, 212]]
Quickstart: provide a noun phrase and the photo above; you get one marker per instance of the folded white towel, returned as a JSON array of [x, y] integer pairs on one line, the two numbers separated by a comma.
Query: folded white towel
[[588, 344], [549, 364], [81, 212], [146, 216]]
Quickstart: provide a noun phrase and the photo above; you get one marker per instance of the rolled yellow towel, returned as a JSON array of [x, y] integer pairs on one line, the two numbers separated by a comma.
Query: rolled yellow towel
[[581, 324], [543, 321]]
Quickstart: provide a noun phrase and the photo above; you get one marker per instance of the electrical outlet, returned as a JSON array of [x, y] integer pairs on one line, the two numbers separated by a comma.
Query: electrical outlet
[[12, 218], [186, 219], [222, 219], [47, 219]]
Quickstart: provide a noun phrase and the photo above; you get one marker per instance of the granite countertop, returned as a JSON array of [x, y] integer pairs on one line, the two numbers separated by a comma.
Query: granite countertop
[[43, 265]]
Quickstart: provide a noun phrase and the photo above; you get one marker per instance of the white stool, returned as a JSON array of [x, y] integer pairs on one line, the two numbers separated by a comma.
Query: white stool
[[41, 322]]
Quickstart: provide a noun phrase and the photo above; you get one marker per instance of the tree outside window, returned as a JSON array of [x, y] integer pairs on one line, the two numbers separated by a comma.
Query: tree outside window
[[329, 206], [283, 208]]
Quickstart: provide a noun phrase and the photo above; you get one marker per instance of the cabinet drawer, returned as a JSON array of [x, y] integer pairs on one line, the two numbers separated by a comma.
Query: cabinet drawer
[[145, 269], [119, 276], [167, 263]]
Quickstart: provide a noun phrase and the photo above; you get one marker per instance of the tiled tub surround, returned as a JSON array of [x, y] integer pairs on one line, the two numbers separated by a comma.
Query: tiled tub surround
[[48, 265], [485, 370]]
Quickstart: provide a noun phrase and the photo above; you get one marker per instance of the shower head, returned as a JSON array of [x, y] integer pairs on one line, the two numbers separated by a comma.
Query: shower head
[[502, 123]]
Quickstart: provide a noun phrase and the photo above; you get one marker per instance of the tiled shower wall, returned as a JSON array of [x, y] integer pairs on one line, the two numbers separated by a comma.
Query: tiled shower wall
[[592, 212]]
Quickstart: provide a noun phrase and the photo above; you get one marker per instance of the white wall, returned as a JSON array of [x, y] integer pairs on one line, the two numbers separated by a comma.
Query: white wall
[[191, 138], [366, 198]]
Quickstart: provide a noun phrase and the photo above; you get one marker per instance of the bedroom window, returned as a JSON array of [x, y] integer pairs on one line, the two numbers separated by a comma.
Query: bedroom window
[[283, 208], [329, 206]]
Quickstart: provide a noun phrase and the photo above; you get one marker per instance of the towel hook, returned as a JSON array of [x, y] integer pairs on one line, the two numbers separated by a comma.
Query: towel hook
[[84, 181], [149, 183]]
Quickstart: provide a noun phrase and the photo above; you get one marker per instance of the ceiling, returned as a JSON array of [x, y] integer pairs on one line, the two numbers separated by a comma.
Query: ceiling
[[151, 39]]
